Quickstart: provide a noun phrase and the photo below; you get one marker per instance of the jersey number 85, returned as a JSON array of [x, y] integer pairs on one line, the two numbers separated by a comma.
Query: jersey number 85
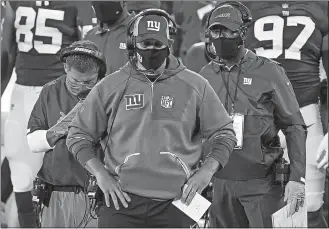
[[276, 36], [32, 19]]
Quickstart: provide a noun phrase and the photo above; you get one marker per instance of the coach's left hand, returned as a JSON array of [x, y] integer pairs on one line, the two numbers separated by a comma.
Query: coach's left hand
[[199, 180], [294, 194], [196, 184]]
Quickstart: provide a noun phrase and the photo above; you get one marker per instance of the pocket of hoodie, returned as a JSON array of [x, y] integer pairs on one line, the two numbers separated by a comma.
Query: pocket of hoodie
[[130, 159], [178, 161]]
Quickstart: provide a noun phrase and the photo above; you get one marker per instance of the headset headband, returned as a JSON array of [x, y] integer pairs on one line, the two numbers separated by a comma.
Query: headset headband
[[80, 50]]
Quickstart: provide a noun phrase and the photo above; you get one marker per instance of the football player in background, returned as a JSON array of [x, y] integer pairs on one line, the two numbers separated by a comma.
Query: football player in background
[[295, 34], [87, 17], [110, 32], [186, 14], [33, 34]]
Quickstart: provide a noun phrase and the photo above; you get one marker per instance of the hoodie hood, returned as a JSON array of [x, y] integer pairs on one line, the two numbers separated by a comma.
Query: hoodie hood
[[173, 67]]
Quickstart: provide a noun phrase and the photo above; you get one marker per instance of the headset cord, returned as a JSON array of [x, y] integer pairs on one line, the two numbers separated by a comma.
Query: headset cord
[[116, 111], [206, 219], [86, 203], [90, 215]]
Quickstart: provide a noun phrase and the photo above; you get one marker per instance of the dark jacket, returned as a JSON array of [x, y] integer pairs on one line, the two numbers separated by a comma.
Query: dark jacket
[[155, 142], [196, 57], [112, 43], [59, 166], [267, 101]]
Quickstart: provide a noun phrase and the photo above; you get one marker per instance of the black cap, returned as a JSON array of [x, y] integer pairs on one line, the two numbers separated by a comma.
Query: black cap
[[228, 16]]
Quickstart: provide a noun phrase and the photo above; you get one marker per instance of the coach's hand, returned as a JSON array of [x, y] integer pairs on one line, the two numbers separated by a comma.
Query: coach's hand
[[109, 185], [294, 194], [199, 181]]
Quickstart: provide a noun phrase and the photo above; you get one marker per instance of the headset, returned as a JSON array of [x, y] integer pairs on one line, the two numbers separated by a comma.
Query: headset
[[246, 19], [81, 50], [131, 39]]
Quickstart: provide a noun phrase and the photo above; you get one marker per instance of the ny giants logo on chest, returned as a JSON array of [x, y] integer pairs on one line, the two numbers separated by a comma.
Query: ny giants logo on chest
[[135, 101]]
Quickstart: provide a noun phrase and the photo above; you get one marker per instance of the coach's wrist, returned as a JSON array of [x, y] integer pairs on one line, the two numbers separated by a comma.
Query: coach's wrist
[[95, 167], [210, 166]]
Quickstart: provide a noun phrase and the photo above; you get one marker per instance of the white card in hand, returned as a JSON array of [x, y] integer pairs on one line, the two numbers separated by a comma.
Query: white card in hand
[[195, 210], [282, 218]]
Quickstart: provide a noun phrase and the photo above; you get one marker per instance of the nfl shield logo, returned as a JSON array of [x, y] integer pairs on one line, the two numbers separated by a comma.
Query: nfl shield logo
[[166, 101]]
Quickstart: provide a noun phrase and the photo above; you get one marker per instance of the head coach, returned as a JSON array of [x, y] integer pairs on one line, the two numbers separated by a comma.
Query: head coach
[[154, 114]]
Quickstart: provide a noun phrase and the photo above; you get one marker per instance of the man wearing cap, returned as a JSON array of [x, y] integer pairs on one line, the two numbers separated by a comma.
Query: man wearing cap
[[258, 95], [152, 116], [302, 60], [66, 205], [110, 32]]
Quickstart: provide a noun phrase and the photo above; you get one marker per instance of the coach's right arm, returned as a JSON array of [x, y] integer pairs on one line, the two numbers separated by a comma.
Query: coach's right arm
[[89, 125]]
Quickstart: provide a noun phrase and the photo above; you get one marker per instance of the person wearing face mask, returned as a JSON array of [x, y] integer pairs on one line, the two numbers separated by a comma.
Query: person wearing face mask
[[258, 95], [153, 114], [60, 172], [110, 32]]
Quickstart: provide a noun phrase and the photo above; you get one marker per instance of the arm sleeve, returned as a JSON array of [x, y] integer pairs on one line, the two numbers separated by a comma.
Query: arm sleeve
[[4, 69], [325, 53], [87, 128], [38, 117], [8, 45], [216, 126], [290, 120]]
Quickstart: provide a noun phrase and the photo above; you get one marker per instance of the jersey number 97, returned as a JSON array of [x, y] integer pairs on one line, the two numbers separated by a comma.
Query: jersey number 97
[[276, 36], [38, 21]]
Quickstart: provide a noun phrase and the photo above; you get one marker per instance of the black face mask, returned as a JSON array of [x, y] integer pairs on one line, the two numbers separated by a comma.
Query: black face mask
[[227, 48], [153, 58], [107, 12]]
